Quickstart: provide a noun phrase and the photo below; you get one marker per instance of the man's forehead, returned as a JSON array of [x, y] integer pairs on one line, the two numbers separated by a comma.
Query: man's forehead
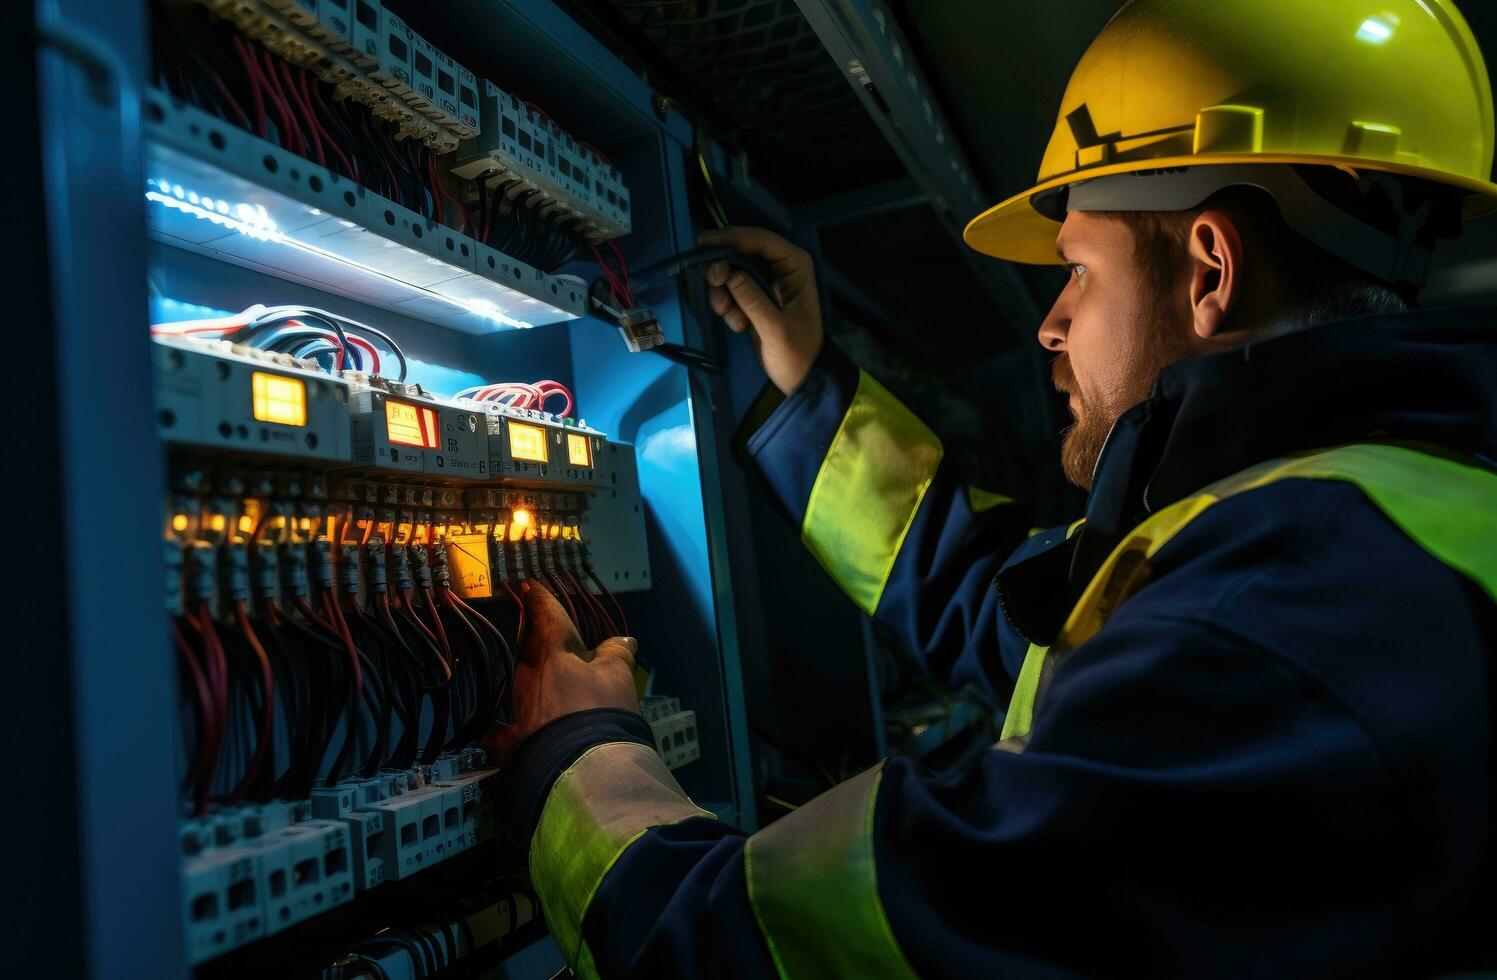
[[1081, 228]]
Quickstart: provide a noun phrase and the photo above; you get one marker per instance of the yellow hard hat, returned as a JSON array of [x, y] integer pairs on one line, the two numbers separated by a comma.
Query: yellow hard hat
[[1388, 86]]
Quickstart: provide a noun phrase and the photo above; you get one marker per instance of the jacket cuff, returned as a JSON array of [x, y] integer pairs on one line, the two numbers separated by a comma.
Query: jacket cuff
[[545, 754], [789, 447]]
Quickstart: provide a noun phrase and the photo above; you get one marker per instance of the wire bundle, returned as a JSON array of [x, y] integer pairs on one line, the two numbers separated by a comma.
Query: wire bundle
[[335, 342], [514, 221], [522, 394], [617, 280], [313, 682], [210, 66]]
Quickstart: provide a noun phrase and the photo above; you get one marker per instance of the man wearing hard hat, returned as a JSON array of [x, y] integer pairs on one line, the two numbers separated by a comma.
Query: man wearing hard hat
[[1250, 727]]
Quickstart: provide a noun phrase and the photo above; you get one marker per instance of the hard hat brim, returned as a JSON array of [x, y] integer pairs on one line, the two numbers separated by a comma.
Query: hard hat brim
[[1015, 231]]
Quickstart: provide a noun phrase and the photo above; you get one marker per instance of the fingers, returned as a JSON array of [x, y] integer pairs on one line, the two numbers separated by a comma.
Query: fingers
[[723, 306], [757, 242], [750, 299], [550, 628], [620, 648]]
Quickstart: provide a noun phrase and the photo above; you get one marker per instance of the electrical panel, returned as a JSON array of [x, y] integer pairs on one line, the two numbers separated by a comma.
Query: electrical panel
[[348, 229]]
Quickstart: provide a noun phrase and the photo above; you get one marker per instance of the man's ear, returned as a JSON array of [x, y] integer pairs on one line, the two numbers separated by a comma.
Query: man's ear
[[1216, 272]]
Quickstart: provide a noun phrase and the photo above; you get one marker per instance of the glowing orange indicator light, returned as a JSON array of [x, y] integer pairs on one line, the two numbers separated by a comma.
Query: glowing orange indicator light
[[278, 399], [179, 523], [527, 442], [579, 451], [410, 425]]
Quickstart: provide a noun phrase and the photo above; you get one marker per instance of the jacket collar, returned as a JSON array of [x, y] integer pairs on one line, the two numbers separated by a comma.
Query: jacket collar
[[1427, 376]]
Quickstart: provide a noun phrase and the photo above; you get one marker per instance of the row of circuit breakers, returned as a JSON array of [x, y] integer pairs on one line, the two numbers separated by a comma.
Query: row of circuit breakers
[[214, 395], [369, 54]]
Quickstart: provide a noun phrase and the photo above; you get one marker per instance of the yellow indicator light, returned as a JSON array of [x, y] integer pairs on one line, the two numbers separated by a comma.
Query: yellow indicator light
[[246, 524], [179, 523], [527, 442], [579, 451], [305, 524], [555, 531], [522, 517], [218, 522], [278, 399], [409, 425]]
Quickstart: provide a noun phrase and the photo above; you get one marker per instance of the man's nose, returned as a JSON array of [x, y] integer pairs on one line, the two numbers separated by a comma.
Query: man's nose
[[1053, 329]]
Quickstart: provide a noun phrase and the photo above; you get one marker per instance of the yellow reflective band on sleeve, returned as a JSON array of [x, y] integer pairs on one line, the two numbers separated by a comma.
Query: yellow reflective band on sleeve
[[984, 500], [1020, 717], [814, 890], [1446, 507], [604, 802], [870, 485]]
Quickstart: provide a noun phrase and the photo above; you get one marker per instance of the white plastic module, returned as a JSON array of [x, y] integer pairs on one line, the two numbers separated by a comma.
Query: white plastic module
[[518, 150], [365, 37], [675, 730], [213, 394]]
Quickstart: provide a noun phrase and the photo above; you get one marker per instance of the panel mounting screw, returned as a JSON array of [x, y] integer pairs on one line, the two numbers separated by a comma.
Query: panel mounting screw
[[662, 103]]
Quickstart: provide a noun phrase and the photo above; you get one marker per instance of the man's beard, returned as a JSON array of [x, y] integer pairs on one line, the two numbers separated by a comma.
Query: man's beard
[[1081, 445], [1161, 343]]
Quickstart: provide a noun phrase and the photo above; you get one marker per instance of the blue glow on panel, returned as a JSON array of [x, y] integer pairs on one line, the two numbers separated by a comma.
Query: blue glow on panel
[[438, 379], [164, 309]]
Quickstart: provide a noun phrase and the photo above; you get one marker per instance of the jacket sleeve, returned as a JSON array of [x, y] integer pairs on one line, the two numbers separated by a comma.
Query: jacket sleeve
[[1108, 826], [887, 516], [1264, 828]]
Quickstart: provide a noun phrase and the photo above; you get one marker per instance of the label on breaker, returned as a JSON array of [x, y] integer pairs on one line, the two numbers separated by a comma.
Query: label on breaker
[[468, 562]]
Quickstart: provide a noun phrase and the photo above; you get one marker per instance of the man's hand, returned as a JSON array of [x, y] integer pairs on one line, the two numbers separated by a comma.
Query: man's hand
[[787, 338], [557, 675]]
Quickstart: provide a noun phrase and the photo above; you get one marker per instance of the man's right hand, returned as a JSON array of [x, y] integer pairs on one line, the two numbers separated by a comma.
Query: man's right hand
[[787, 337]]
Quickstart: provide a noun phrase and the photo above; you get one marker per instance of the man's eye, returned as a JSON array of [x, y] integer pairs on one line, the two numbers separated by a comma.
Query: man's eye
[[1077, 269]]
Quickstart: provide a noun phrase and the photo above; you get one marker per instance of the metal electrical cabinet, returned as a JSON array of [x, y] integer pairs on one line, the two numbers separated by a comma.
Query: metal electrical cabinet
[[114, 156]]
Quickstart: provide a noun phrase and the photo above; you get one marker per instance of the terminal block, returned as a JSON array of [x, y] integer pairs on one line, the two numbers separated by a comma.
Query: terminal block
[[248, 872], [675, 730], [521, 151]]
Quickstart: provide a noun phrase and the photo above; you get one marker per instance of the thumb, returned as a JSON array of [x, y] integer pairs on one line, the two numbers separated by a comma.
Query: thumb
[[550, 630], [620, 648]]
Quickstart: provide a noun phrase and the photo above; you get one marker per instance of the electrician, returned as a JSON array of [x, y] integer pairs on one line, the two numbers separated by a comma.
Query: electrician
[[1251, 719]]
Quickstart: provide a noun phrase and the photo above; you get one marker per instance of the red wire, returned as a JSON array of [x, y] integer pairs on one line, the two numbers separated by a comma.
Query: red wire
[[309, 96], [273, 86], [253, 77], [436, 619], [277, 101], [267, 714], [204, 705], [605, 618], [520, 605], [217, 672], [614, 286], [561, 593], [624, 269], [306, 108], [223, 90], [622, 621], [549, 388], [335, 615]]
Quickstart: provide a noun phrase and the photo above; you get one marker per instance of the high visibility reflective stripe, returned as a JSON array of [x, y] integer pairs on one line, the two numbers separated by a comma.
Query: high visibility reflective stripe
[[981, 500], [1020, 715], [1447, 507], [870, 485], [814, 890], [604, 802]]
